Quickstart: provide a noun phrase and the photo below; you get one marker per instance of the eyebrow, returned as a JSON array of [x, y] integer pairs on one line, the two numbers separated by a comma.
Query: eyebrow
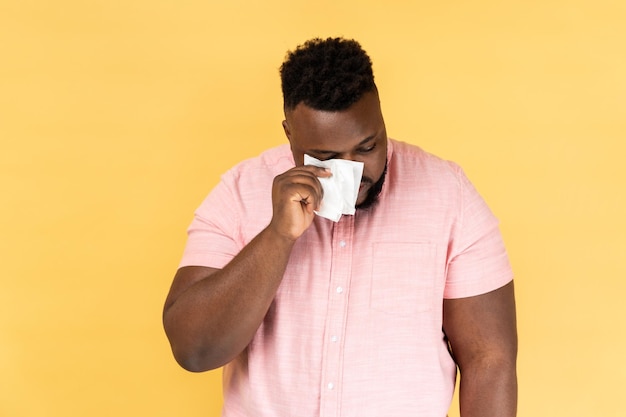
[[363, 142]]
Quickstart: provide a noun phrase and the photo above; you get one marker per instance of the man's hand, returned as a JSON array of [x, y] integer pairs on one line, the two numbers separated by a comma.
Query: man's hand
[[295, 195]]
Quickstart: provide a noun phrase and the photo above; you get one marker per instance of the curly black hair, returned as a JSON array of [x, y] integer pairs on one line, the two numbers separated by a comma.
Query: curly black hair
[[326, 74]]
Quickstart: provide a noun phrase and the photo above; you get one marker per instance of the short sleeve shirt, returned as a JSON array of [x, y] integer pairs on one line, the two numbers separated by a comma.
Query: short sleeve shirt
[[355, 328]]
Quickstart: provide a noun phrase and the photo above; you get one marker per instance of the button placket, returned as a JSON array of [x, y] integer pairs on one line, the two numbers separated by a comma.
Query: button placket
[[341, 266]]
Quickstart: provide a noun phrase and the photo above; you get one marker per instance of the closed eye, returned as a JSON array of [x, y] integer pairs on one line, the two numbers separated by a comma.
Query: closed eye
[[368, 149], [326, 156]]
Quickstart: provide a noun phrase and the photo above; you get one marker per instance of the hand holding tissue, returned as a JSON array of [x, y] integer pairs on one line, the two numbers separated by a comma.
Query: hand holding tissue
[[341, 189]]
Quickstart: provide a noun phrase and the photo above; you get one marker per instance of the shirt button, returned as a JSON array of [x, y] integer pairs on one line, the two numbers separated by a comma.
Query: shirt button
[[339, 290], [342, 243], [331, 385], [333, 339]]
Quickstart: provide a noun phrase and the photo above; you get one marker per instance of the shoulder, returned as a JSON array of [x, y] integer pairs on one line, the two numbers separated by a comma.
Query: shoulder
[[240, 204], [412, 163], [260, 168]]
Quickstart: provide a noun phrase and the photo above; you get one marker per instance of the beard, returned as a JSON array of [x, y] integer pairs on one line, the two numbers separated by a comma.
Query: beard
[[372, 194]]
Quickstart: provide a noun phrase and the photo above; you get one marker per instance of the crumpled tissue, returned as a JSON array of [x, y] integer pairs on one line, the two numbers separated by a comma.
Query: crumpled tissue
[[341, 189]]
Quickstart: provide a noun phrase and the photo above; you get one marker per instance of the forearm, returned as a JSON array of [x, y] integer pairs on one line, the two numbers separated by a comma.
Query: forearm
[[214, 319], [488, 389]]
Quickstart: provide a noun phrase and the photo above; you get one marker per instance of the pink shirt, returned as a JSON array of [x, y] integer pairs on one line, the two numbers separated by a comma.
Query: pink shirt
[[356, 325]]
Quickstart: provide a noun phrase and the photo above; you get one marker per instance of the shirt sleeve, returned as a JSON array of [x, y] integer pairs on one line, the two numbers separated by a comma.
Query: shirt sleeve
[[212, 237], [477, 259]]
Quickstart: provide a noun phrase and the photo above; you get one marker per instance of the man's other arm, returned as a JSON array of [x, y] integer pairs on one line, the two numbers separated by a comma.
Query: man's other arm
[[483, 338]]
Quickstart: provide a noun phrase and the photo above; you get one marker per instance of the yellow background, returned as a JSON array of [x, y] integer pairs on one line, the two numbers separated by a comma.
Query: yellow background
[[117, 117]]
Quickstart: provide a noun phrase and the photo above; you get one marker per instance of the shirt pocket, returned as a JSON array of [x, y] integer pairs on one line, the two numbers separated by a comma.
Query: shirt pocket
[[403, 278]]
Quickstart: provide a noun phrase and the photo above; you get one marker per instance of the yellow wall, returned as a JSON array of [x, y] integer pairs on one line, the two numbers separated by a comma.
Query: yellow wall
[[116, 118]]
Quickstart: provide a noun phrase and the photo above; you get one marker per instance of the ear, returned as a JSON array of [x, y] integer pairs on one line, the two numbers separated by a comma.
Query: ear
[[286, 129]]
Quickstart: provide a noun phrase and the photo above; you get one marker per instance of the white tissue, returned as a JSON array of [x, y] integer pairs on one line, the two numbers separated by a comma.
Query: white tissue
[[341, 189]]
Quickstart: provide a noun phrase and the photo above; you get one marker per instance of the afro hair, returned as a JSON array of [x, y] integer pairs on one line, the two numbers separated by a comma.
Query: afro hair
[[326, 74]]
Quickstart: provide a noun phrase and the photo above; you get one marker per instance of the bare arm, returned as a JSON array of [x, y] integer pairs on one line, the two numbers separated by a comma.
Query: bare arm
[[483, 337], [210, 315]]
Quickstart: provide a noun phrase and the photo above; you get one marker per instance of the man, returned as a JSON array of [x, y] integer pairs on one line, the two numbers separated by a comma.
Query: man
[[368, 316]]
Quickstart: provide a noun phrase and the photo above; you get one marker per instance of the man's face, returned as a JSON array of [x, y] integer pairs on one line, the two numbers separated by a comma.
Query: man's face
[[356, 134]]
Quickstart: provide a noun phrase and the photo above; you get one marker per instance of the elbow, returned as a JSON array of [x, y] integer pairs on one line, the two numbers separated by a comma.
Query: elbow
[[500, 366], [196, 360], [192, 363], [191, 353], [199, 356], [195, 350]]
